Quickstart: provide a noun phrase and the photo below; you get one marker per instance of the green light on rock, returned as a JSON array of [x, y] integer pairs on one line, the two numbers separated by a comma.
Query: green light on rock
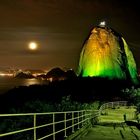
[[106, 54], [131, 65]]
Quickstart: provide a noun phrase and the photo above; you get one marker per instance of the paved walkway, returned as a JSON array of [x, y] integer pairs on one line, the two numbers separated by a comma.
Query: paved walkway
[[110, 133], [112, 126]]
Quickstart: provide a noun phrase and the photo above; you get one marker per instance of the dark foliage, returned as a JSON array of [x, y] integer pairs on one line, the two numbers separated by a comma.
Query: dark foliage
[[83, 90]]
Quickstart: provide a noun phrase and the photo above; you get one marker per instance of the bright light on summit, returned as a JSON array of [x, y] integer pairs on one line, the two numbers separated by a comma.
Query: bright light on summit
[[102, 23]]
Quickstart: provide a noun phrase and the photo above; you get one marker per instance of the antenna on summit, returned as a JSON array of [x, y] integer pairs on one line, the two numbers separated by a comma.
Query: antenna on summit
[[102, 24]]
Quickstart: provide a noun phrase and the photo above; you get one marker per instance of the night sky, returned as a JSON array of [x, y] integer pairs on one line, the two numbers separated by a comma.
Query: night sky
[[60, 28]]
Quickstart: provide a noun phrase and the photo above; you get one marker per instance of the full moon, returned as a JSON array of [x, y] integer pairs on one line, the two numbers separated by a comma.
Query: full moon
[[33, 46]]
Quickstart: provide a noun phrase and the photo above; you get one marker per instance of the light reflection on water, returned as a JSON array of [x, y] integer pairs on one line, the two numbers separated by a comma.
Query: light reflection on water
[[28, 82], [7, 83]]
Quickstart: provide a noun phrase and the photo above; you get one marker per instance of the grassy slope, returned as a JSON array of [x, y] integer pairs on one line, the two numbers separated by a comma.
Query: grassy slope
[[112, 126]]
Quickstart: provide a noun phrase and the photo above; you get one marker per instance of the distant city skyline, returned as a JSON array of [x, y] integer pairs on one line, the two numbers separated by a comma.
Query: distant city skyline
[[60, 29]]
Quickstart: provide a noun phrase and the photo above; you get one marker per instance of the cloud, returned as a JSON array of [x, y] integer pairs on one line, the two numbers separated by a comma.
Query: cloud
[[52, 12]]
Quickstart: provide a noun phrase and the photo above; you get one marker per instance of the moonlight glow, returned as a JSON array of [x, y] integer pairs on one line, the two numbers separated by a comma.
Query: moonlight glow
[[33, 46]]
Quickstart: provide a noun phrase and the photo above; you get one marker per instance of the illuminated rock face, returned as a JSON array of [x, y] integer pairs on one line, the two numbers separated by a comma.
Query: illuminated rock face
[[106, 54]]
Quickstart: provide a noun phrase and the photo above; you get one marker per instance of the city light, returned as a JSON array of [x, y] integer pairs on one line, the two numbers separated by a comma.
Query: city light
[[6, 74]]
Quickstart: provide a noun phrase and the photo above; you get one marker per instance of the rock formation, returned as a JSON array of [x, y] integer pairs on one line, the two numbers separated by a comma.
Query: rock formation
[[106, 54]]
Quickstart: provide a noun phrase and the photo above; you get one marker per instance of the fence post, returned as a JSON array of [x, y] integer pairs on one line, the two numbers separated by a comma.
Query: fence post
[[65, 124], [78, 120], [106, 106], [72, 122], [34, 126], [89, 116], [53, 126], [83, 117], [112, 104]]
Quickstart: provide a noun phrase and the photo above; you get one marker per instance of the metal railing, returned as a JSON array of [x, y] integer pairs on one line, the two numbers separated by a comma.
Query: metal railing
[[58, 122], [112, 105], [70, 120]]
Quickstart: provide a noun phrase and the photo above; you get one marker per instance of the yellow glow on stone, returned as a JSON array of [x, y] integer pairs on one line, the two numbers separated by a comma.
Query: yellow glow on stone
[[102, 56], [99, 54]]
